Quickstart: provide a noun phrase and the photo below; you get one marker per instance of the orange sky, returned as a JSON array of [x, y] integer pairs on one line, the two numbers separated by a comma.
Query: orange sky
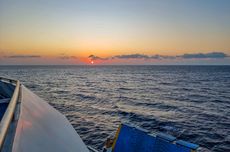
[[108, 28]]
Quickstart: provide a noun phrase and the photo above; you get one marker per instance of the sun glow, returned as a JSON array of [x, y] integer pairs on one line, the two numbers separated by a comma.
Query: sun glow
[[92, 62]]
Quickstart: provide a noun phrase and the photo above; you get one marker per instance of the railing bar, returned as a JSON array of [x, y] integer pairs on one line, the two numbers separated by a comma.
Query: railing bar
[[92, 149], [8, 115]]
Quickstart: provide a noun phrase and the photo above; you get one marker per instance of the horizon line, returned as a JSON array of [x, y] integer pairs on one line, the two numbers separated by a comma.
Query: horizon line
[[90, 65]]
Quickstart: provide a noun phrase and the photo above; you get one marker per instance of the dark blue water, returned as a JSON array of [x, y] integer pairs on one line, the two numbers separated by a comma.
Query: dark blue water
[[189, 102]]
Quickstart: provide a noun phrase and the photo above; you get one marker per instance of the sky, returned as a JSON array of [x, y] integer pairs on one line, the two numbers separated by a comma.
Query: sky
[[114, 32]]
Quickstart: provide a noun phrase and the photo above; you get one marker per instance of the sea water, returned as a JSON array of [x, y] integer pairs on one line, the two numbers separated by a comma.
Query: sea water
[[191, 103]]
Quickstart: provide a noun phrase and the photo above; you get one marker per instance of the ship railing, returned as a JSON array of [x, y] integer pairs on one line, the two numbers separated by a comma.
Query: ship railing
[[9, 113], [91, 149]]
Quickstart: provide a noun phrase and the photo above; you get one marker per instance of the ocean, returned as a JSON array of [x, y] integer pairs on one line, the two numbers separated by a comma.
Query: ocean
[[191, 103]]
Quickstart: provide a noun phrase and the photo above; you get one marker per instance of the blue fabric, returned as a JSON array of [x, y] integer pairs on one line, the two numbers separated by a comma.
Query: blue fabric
[[3, 107], [165, 146], [6, 89], [166, 137], [131, 139], [187, 144]]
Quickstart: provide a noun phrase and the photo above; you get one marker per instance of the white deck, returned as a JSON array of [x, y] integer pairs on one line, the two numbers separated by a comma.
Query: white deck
[[41, 128]]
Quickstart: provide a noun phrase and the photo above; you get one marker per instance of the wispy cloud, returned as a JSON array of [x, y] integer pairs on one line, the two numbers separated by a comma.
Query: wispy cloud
[[211, 55], [160, 57], [203, 55], [93, 57], [23, 56], [65, 57], [193, 58], [132, 56], [143, 56]]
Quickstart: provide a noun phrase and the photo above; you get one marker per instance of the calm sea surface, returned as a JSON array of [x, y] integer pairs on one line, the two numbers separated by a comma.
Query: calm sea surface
[[189, 102]]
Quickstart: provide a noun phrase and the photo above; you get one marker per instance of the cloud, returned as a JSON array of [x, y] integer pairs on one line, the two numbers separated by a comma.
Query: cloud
[[93, 57], [211, 55], [160, 57], [65, 57], [143, 56], [24, 56], [132, 56]]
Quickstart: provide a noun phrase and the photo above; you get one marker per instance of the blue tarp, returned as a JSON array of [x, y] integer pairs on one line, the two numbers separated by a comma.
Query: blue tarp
[[131, 139], [3, 107], [6, 91]]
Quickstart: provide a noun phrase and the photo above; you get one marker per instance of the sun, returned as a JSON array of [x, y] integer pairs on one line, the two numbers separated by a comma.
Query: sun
[[92, 62]]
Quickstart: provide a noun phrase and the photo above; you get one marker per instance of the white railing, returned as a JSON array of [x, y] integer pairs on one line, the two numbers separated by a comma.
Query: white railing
[[91, 149], [8, 115]]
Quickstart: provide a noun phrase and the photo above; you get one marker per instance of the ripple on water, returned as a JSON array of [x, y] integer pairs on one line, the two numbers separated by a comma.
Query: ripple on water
[[189, 102]]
